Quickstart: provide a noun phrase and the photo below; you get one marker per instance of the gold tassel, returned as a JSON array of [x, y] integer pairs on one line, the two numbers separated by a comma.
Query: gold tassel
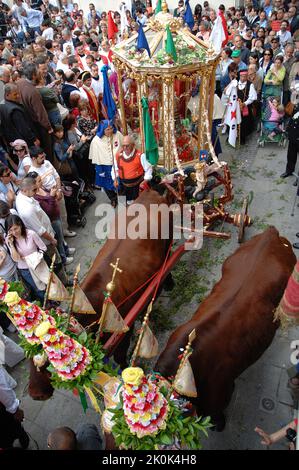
[[93, 399]]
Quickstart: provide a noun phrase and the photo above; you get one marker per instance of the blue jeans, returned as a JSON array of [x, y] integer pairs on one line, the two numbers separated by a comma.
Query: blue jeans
[[25, 273], [61, 245], [54, 117], [21, 38]]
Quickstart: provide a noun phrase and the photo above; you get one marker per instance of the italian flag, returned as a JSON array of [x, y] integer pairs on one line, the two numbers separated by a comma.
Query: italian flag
[[219, 34]]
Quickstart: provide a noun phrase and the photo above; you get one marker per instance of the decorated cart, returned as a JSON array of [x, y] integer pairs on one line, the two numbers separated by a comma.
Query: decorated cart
[[158, 68]]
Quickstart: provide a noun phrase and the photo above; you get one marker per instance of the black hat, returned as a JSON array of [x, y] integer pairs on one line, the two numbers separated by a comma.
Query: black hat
[[84, 75]]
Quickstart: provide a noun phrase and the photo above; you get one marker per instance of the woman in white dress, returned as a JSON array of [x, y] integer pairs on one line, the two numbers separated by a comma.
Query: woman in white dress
[[103, 148]]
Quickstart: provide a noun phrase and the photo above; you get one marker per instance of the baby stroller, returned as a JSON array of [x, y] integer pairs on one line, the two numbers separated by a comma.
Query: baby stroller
[[272, 122], [77, 199]]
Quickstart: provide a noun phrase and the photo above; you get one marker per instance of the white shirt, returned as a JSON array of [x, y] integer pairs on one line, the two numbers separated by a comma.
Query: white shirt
[[33, 19], [284, 37], [48, 34], [68, 8], [68, 43], [252, 96], [7, 395], [33, 216], [97, 85], [148, 169], [47, 173], [62, 66]]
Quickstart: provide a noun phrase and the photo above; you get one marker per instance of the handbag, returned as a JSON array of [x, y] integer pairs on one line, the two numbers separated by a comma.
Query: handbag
[[62, 168], [289, 108], [64, 112], [245, 111]]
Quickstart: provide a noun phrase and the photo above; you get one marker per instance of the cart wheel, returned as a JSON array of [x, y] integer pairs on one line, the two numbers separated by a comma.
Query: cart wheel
[[243, 217]]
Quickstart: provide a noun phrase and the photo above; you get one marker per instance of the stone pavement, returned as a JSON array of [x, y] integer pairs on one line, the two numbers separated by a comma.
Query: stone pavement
[[261, 397]]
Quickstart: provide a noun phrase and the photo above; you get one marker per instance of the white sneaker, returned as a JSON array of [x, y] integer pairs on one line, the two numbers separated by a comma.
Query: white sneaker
[[69, 233], [71, 251], [68, 260]]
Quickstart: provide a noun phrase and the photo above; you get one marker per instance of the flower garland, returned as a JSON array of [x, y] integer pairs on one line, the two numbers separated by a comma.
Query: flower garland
[[68, 357], [145, 417], [186, 54], [4, 286], [145, 408]]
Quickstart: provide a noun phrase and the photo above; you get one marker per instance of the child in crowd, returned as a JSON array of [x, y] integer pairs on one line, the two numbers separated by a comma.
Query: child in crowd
[[273, 124]]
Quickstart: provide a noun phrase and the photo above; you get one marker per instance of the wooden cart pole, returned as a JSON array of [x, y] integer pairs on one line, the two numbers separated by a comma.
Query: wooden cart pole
[[121, 102], [212, 91], [141, 130]]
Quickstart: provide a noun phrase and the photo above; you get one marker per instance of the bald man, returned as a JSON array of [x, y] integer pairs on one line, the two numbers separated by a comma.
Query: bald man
[[4, 78], [87, 437], [132, 169]]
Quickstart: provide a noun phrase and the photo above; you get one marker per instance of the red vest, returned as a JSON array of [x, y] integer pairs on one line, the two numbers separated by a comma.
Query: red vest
[[131, 168]]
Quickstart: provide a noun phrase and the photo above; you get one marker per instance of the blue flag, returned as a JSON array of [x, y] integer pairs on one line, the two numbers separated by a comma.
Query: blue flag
[[142, 41], [108, 101], [188, 16]]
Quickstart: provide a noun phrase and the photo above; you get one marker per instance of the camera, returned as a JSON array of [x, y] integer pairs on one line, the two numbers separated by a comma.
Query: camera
[[291, 435]]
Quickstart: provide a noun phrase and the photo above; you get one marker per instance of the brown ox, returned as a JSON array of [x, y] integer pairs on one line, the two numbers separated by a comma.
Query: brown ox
[[234, 324], [139, 260]]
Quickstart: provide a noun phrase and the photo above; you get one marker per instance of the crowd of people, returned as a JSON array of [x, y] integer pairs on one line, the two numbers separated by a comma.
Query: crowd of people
[[56, 137]]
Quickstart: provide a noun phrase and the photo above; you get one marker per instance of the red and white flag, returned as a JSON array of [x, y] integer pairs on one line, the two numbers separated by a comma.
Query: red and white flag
[[219, 34], [232, 116], [112, 27]]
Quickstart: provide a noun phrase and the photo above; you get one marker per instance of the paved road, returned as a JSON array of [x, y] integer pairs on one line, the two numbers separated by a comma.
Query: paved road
[[261, 397]]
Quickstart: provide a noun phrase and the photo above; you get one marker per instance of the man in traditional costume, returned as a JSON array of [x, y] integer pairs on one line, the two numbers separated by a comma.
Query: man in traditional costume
[[132, 169], [81, 56], [87, 93], [106, 141], [246, 96], [106, 55]]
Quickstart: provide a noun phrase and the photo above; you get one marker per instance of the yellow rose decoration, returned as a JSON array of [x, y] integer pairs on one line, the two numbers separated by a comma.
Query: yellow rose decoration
[[12, 298], [42, 329], [132, 375]]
